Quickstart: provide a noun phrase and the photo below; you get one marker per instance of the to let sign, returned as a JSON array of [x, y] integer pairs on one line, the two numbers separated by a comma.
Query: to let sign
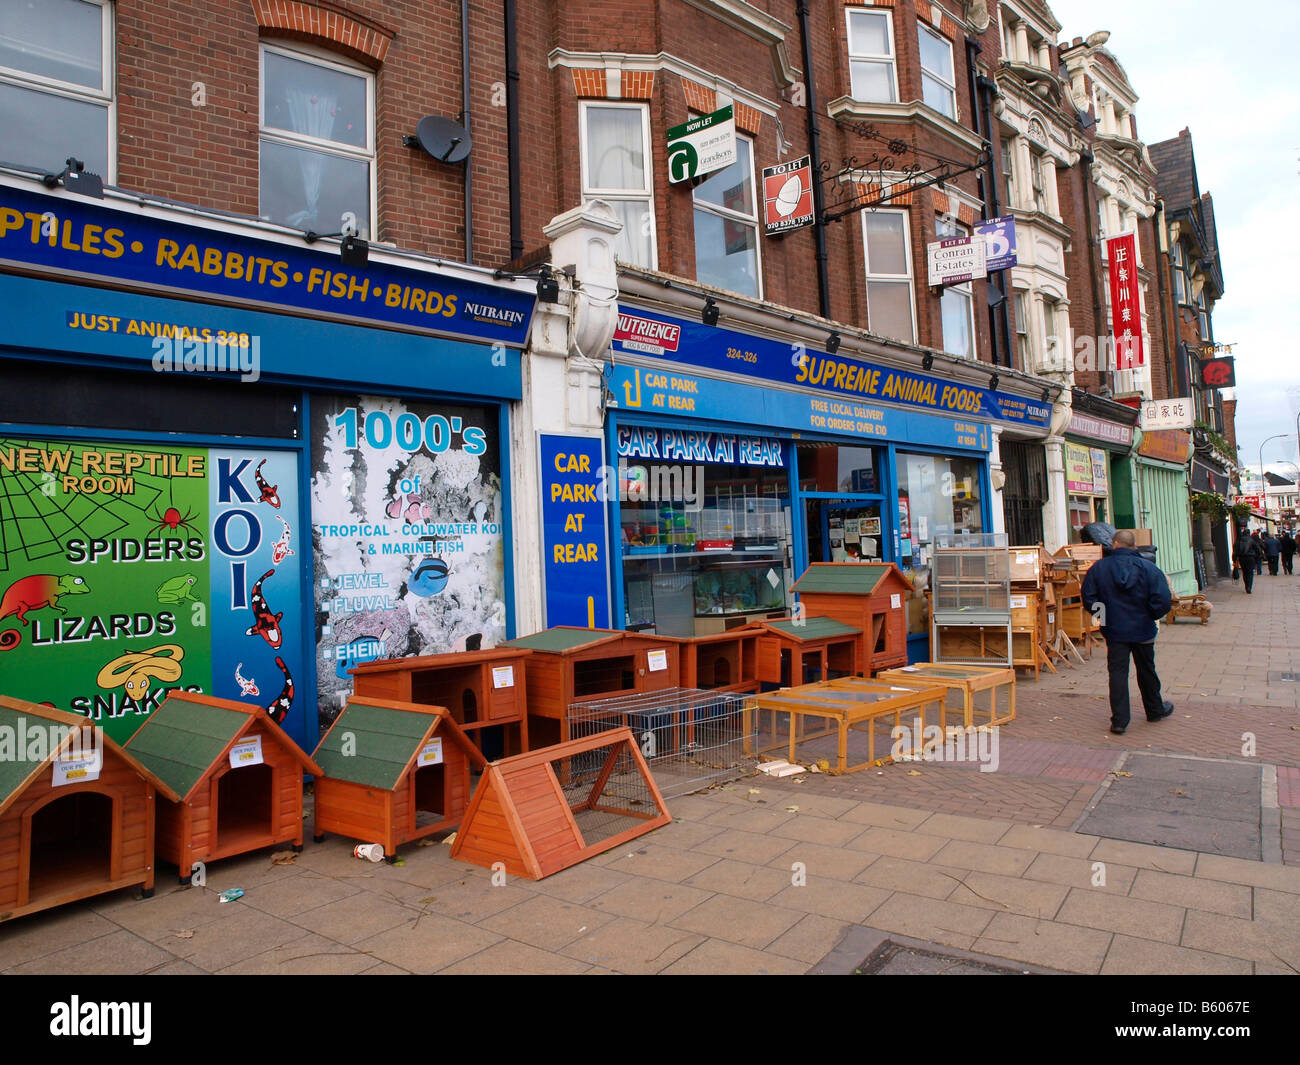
[[787, 196], [1167, 414], [1125, 304], [1000, 239], [702, 145], [958, 259]]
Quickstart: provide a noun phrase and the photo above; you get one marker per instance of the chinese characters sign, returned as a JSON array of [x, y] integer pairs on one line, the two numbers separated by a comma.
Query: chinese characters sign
[[1125, 305], [1167, 414]]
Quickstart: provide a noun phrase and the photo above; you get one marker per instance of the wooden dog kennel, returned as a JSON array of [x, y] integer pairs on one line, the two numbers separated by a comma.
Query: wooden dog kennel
[[570, 665], [70, 827], [800, 651], [724, 661], [871, 596], [392, 772], [484, 690], [238, 775], [552, 808]]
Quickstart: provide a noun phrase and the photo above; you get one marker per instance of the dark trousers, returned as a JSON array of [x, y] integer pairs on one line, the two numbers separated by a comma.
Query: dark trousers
[[1286, 561], [1272, 565], [1248, 576], [1144, 657]]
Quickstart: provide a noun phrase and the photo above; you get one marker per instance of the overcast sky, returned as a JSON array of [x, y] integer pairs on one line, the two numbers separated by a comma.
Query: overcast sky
[[1231, 81]]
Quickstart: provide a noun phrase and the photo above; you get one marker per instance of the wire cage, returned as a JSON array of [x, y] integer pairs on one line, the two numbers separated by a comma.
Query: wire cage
[[690, 738]]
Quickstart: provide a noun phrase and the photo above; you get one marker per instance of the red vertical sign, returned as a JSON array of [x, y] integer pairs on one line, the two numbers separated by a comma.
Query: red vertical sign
[[1125, 304]]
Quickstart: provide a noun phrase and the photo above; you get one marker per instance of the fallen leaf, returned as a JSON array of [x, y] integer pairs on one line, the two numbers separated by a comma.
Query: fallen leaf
[[1177, 791], [913, 772], [428, 899], [792, 809], [753, 791], [184, 933], [1119, 773], [283, 858], [426, 842]]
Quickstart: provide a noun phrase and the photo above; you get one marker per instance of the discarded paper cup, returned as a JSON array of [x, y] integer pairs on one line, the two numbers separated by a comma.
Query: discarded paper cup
[[373, 851]]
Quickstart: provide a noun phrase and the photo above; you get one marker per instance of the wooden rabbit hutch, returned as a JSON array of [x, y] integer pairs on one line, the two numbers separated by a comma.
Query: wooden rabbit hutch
[[725, 661], [570, 665], [800, 651], [393, 772], [70, 827], [552, 808], [871, 596], [485, 691], [238, 775]]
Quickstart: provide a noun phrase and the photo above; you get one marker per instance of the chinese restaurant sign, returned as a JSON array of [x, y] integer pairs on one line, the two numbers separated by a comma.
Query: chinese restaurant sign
[[1125, 306]]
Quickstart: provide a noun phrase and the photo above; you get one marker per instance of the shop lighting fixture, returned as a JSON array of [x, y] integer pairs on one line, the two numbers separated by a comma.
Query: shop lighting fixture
[[833, 343], [1047, 394], [993, 383], [927, 361], [353, 251], [709, 312], [548, 287], [76, 178]]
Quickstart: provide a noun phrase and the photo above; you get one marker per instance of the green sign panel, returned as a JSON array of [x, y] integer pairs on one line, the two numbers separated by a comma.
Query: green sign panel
[[702, 145]]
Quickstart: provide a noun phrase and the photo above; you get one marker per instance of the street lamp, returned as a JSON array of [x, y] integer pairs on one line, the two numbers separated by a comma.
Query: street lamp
[[1262, 479]]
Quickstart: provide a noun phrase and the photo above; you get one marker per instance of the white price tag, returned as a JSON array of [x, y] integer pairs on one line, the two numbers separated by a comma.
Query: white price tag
[[896, 601], [657, 661], [503, 676], [430, 754], [77, 768], [1025, 558], [1019, 602], [247, 752]]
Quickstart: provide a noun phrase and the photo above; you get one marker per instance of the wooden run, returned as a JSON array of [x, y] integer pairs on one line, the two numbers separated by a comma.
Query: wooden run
[[966, 681], [854, 703], [68, 834], [521, 817], [232, 801]]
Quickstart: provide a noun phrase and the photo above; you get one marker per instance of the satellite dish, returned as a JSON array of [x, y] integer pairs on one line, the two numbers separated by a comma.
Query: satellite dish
[[445, 140]]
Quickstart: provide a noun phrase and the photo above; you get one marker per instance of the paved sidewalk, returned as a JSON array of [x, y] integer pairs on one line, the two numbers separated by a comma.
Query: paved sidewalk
[[762, 876]]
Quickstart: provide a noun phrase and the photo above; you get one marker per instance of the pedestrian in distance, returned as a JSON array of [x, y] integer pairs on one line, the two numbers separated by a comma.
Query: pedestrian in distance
[[1259, 556], [1273, 552], [1287, 542], [1245, 554], [1128, 594]]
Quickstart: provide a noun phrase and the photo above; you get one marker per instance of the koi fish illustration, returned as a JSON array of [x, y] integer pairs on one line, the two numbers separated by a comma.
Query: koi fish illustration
[[270, 492], [246, 686], [266, 625], [281, 549], [280, 707]]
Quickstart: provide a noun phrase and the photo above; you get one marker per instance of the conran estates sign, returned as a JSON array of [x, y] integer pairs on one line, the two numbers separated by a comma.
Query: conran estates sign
[[957, 259]]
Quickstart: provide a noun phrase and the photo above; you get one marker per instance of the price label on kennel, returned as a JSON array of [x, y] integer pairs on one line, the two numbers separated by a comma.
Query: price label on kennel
[[430, 754], [248, 752], [503, 676], [77, 768], [657, 661]]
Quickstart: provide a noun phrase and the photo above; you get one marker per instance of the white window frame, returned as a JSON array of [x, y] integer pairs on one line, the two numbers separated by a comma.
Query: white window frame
[[104, 95], [869, 276], [307, 54], [1020, 323], [951, 86], [592, 192], [966, 288], [1038, 181], [1051, 309], [727, 213], [891, 58], [1007, 159]]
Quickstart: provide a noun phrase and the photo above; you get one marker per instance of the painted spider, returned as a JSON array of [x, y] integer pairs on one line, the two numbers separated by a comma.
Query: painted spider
[[172, 520]]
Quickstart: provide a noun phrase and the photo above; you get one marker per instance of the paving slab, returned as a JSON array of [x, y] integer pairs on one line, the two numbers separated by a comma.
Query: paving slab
[[1193, 893], [428, 943], [751, 924], [511, 958], [1256, 940], [1009, 894], [634, 947], [715, 958], [647, 899], [755, 882], [1062, 946], [1115, 913], [837, 863], [830, 898], [119, 953], [917, 878], [1130, 955], [546, 923], [933, 920]]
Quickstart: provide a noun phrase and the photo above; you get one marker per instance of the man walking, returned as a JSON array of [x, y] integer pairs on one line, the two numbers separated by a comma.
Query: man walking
[[1259, 552], [1272, 552], [1245, 553], [1127, 594], [1287, 542]]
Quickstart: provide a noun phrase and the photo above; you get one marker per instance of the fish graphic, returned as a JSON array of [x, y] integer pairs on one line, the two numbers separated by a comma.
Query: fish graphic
[[279, 709], [281, 549], [270, 492], [266, 625], [429, 578], [246, 686]]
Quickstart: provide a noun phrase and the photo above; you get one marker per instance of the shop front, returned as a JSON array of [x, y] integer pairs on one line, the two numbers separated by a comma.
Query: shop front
[[741, 459], [234, 465], [1162, 458], [1212, 540], [1097, 472]]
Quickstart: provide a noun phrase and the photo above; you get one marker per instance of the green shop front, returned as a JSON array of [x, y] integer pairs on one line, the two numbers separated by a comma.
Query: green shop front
[[1165, 503], [741, 459]]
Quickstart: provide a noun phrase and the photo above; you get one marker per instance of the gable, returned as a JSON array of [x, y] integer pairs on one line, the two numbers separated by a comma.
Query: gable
[[372, 745], [181, 740]]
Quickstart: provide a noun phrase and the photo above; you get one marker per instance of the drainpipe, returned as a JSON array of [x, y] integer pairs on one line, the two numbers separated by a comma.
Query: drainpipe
[[1086, 158], [464, 119], [512, 129], [815, 160], [981, 102]]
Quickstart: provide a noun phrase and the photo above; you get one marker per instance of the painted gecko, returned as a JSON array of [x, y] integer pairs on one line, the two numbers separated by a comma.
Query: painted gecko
[[266, 625], [270, 492], [34, 593]]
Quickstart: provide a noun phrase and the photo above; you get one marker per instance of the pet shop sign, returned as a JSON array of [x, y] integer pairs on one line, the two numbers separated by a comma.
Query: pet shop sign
[[128, 571]]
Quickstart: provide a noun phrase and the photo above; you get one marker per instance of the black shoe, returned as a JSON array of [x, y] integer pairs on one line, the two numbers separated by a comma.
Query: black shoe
[[1166, 710], [1119, 730]]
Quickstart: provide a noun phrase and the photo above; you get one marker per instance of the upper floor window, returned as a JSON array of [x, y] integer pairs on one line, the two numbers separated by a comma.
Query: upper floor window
[[1051, 341], [872, 75], [1203, 315], [1179, 271], [938, 77], [56, 84], [1022, 333], [726, 226], [317, 143], [1009, 172], [889, 275], [1040, 173], [615, 142], [957, 302]]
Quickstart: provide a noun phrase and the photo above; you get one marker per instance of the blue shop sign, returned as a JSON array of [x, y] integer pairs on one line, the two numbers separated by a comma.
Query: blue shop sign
[[575, 487], [637, 389], [74, 236], [698, 346]]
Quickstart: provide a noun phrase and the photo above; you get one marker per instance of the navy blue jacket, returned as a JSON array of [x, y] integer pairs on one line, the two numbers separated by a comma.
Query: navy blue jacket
[[1134, 592]]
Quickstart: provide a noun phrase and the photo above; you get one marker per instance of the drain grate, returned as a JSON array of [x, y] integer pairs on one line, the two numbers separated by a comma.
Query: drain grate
[[898, 959]]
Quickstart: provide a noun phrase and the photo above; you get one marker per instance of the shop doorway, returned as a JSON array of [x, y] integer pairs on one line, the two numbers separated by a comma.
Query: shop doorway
[[844, 529]]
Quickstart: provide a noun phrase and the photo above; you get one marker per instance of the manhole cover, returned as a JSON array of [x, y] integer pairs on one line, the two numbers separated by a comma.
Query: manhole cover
[[1187, 803], [898, 959]]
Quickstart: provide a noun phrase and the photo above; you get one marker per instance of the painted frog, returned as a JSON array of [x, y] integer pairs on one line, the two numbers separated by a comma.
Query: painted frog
[[177, 589]]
